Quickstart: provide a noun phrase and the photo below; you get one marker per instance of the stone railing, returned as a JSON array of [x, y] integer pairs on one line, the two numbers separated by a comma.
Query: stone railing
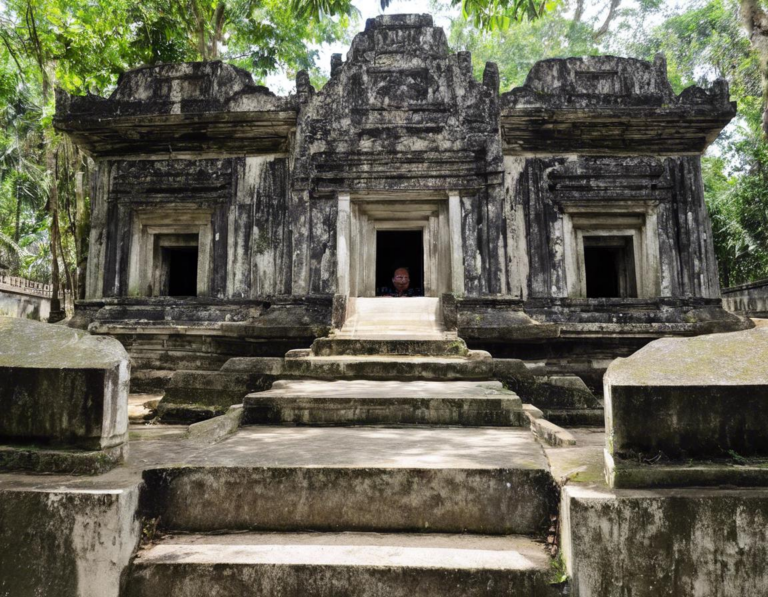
[[24, 286], [749, 299]]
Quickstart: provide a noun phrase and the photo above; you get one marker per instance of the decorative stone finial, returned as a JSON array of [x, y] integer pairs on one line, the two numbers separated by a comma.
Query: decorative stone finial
[[465, 62], [491, 77], [304, 89], [336, 63]]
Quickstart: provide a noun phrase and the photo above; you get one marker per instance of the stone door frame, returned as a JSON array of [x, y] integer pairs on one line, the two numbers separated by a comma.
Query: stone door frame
[[438, 216], [635, 219], [148, 227]]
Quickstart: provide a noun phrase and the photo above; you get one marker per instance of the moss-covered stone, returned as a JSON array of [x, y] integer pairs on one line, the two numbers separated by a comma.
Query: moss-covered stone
[[68, 462], [697, 398], [67, 543], [61, 387], [171, 413]]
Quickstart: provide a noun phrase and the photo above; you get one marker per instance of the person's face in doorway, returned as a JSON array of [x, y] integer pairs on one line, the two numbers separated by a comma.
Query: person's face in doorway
[[401, 280]]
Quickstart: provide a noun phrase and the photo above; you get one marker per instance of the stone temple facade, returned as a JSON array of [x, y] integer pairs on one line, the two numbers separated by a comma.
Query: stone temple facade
[[562, 222], [354, 445]]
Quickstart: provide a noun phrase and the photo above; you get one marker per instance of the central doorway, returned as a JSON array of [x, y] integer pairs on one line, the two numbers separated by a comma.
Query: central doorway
[[609, 265], [396, 249], [375, 235], [181, 270]]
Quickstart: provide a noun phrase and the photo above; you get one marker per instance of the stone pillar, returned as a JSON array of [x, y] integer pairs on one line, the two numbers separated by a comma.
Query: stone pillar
[[343, 238], [457, 248]]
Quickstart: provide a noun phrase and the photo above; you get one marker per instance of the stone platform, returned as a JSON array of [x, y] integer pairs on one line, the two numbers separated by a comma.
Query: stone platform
[[690, 411], [360, 511], [63, 398], [667, 542]]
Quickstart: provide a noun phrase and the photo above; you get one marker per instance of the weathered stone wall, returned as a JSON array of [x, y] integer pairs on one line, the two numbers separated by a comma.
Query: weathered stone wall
[[21, 305], [540, 188], [747, 299], [665, 543], [66, 542], [246, 198], [24, 298]]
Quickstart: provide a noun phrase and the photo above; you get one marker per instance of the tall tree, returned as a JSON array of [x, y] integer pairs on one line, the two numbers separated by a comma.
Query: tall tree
[[756, 24]]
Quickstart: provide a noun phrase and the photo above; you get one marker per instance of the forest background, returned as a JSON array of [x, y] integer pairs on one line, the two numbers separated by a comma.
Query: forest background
[[82, 46]]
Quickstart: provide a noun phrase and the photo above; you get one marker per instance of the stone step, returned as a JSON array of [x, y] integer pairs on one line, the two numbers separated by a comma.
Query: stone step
[[477, 364], [386, 306], [374, 332], [452, 480], [383, 331], [341, 565], [384, 317], [390, 318], [387, 345], [366, 402]]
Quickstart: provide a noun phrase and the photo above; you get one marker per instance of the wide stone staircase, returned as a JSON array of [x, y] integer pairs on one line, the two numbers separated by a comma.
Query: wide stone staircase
[[377, 474]]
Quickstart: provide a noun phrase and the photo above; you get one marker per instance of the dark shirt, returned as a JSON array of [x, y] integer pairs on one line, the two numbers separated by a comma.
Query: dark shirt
[[387, 291]]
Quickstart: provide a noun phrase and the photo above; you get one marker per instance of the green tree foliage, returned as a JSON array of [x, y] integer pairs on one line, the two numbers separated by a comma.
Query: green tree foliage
[[516, 49], [258, 35]]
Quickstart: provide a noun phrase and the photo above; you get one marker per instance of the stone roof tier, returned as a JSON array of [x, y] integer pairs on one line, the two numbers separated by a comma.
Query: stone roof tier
[[174, 108], [607, 104]]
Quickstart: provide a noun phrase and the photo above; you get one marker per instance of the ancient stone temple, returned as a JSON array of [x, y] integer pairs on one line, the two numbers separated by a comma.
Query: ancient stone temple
[[562, 222], [318, 437]]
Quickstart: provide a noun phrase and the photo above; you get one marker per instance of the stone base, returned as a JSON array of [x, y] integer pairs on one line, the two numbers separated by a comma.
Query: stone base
[[701, 399], [65, 461], [171, 413], [576, 417], [61, 387], [214, 388], [748, 472], [150, 381], [327, 347], [66, 537], [665, 542]]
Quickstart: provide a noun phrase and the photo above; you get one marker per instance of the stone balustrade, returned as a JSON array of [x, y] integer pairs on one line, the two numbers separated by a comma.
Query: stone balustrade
[[24, 286]]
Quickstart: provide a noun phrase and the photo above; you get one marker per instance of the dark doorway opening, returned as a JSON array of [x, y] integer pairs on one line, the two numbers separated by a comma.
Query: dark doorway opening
[[182, 270], [399, 248], [609, 262]]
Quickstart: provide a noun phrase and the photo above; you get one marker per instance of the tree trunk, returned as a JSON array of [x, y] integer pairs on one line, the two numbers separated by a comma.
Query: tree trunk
[[607, 23], [67, 272], [219, 19], [578, 13], [577, 16], [17, 229], [53, 210], [756, 24]]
